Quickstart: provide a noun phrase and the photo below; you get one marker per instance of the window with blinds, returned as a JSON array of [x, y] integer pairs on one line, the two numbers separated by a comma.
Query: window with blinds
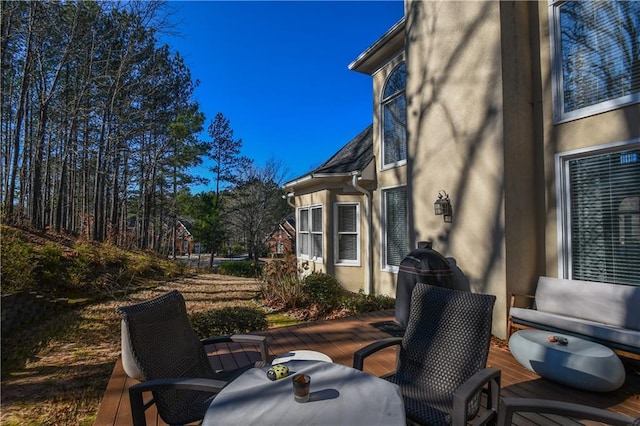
[[603, 217], [347, 238], [396, 242], [310, 232], [595, 52]]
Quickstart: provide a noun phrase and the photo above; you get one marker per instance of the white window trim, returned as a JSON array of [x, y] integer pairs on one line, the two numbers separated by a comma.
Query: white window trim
[[563, 200], [309, 208], [557, 80], [383, 230], [393, 165], [336, 236]]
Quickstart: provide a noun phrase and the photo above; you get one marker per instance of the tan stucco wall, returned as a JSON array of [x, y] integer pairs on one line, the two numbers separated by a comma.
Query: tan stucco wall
[[523, 164], [456, 138], [351, 277]]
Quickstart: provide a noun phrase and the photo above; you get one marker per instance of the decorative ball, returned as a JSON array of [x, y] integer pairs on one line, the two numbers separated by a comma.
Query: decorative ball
[[278, 372]]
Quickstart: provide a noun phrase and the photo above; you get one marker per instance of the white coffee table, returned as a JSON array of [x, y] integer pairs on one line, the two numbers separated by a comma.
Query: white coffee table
[[580, 363], [340, 395]]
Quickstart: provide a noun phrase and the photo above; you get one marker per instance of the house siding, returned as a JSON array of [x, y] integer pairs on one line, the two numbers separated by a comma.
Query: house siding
[[480, 126], [351, 277]]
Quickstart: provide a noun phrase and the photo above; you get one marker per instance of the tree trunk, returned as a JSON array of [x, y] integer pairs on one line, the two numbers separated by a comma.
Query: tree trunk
[[24, 86]]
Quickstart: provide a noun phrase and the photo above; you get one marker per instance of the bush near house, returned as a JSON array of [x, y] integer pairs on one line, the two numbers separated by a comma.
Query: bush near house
[[316, 296], [360, 302], [280, 286], [323, 292], [229, 320], [240, 268]]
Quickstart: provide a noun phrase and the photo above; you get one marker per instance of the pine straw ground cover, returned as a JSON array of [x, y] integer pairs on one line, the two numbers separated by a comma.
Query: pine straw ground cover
[[71, 356]]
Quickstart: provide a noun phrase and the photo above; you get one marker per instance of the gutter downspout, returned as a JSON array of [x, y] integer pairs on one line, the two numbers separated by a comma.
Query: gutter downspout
[[368, 282], [288, 197]]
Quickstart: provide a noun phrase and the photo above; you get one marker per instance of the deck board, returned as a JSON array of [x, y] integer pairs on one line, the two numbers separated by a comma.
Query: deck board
[[340, 338]]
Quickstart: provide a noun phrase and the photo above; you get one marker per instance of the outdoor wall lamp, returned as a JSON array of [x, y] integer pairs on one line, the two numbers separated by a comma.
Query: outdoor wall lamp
[[442, 206]]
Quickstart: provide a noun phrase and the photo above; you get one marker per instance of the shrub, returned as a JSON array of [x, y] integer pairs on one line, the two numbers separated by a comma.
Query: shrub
[[359, 303], [105, 269], [279, 284], [83, 265], [230, 320], [237, 249], [51, 268], [323, 291], [18, 263], [240, 268]]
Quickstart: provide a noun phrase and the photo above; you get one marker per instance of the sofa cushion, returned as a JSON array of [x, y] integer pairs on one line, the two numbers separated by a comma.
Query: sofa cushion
[[612, 304], [599, 331]]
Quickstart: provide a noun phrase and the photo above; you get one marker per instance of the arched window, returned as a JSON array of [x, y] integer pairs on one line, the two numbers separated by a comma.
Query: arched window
[[394, 119]]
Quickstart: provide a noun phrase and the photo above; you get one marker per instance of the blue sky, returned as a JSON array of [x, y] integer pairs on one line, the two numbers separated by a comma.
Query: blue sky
[[278, 71]]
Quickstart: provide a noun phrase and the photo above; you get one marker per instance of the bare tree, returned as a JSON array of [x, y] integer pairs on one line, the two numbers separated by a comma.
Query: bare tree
[[257, 205]]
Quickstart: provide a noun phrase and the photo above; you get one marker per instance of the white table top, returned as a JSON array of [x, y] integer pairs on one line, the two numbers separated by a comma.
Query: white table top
[[301, 354], [340, 395]]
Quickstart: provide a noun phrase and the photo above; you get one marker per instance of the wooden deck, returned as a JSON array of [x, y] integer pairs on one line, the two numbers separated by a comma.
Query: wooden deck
[[340, 338]]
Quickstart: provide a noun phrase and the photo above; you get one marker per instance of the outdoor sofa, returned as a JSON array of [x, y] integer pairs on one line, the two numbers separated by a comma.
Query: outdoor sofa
[[604, 313]]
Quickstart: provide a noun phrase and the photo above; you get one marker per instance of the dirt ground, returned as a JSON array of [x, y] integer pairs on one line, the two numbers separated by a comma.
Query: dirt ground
[[66, 375]]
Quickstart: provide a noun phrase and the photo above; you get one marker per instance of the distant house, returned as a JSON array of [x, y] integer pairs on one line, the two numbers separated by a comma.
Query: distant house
[[525, 115], [184, 243], [283, 239], [184, 239]]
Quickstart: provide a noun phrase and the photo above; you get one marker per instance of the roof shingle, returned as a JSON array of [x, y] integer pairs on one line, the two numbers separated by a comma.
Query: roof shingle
[[354, 156]]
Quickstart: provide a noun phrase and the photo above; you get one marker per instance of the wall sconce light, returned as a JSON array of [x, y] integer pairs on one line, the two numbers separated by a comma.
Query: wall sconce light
[[442, 206]]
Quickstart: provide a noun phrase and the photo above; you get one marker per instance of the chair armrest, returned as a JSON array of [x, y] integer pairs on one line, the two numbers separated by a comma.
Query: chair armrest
[[138, 406], [516, 297], [361, 354], [463, 395], [510, 406], [260, 341]]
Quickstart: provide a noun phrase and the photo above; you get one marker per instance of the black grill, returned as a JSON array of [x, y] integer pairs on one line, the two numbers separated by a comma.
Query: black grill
[[422, 265]]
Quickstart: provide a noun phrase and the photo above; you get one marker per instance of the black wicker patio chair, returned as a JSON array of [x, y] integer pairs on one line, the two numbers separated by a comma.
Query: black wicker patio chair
[[511, 406], [442, 357], [161, 349]]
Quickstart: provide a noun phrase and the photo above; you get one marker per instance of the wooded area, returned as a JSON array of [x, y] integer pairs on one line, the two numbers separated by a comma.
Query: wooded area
[[99, 129]]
